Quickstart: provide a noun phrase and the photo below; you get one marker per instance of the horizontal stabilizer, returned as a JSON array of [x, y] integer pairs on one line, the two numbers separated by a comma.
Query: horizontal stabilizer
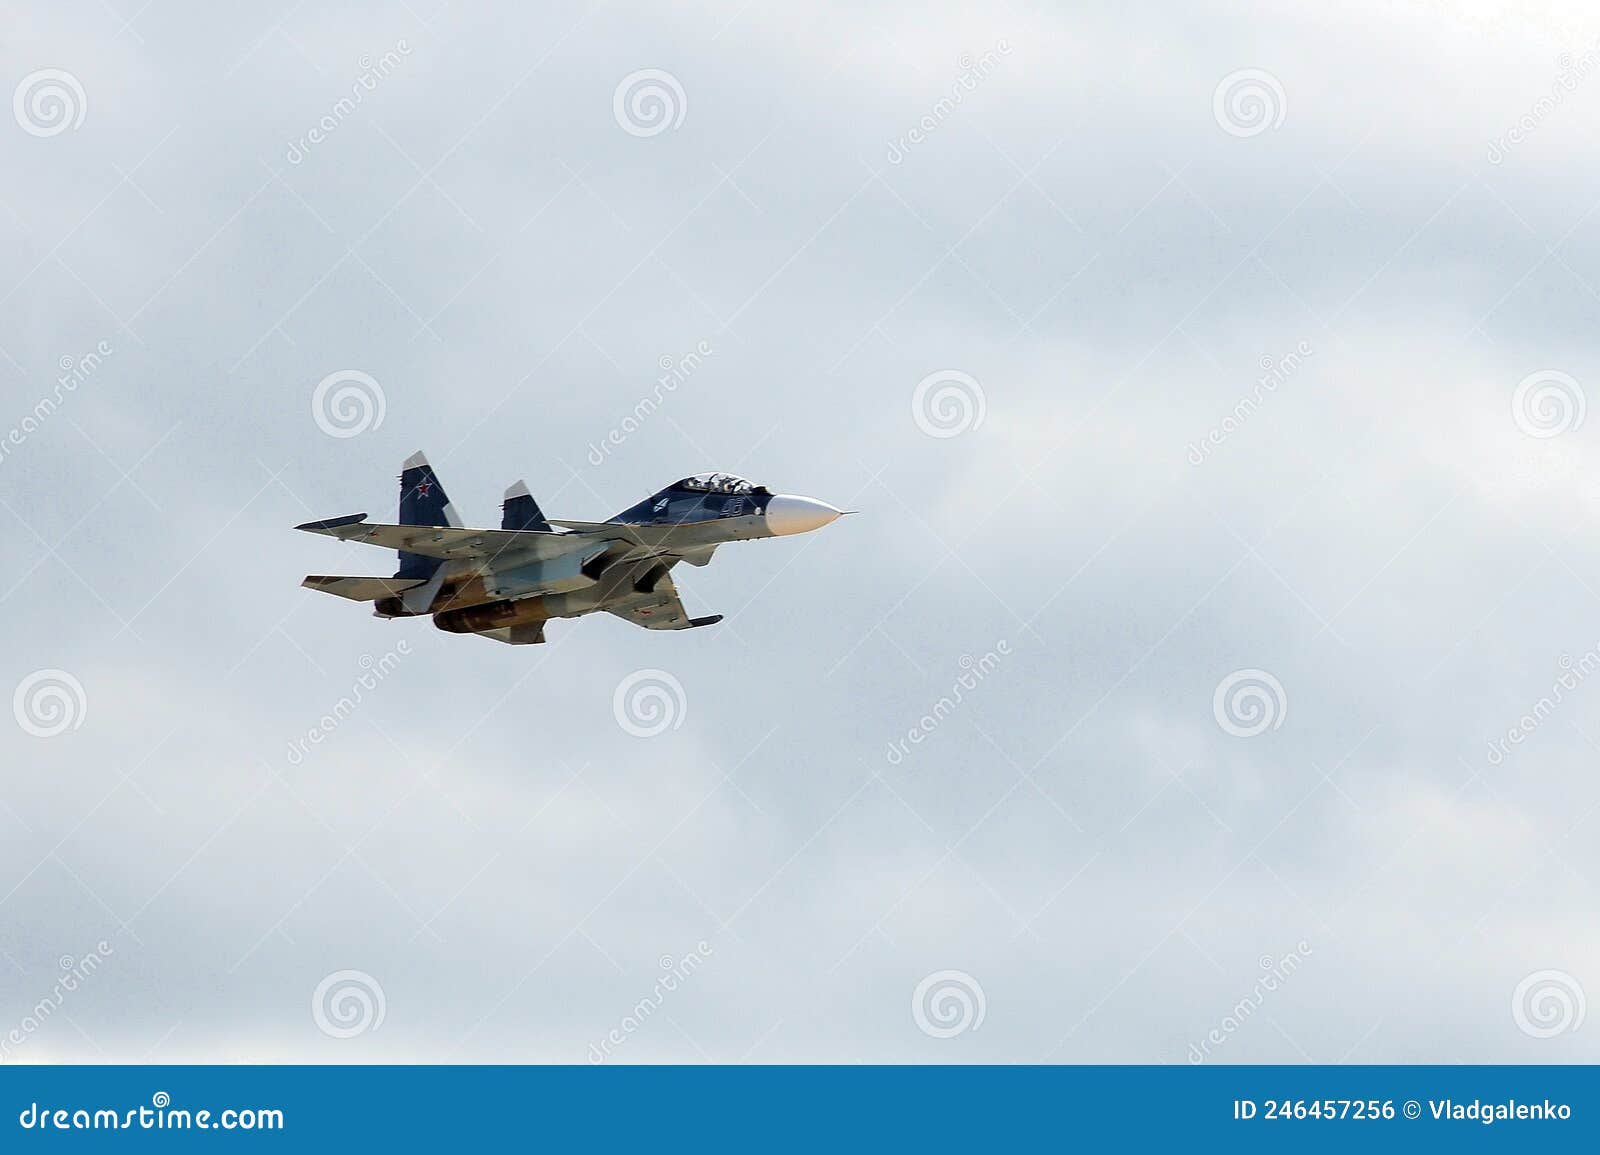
[[361, 589], [524, 635]]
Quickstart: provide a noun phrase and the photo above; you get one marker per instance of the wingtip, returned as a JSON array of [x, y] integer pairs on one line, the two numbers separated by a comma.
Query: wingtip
[[415, 461], [517, 489], [332, 522]]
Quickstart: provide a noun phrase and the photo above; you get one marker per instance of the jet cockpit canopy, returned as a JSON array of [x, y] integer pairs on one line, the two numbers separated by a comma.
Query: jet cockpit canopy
[[717, 483]]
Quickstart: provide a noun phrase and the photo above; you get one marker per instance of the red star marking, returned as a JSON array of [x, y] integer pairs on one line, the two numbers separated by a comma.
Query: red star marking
[[423, 487]]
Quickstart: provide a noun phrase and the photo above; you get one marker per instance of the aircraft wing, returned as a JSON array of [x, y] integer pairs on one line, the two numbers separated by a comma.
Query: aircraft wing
[[449, 543], [660, 609], [688, 535], [617, 529]]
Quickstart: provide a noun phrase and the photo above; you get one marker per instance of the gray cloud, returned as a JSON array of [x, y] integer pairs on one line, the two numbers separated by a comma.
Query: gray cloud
[[1079, 236]]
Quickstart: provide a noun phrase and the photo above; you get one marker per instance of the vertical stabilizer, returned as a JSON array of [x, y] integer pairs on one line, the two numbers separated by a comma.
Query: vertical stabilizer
[[521, 511], [423, 501]]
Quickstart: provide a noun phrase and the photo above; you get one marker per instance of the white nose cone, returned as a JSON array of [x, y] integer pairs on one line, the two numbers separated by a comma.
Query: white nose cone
[[786, 514]]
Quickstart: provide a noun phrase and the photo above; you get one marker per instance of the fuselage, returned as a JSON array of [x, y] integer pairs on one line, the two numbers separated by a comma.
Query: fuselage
[[686, 521]]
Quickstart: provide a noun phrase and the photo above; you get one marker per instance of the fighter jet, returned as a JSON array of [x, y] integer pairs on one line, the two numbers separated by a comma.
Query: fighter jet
[[506, 583]]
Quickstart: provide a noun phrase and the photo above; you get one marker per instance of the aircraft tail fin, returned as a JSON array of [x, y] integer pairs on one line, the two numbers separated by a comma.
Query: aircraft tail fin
[[521, 511], [423, 501]]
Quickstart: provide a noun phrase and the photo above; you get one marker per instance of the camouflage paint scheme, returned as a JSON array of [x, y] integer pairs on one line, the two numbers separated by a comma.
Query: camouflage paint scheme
[[505, 584]]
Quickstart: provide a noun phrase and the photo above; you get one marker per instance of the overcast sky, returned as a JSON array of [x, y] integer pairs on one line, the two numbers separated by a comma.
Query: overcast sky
[[1212, 383]]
